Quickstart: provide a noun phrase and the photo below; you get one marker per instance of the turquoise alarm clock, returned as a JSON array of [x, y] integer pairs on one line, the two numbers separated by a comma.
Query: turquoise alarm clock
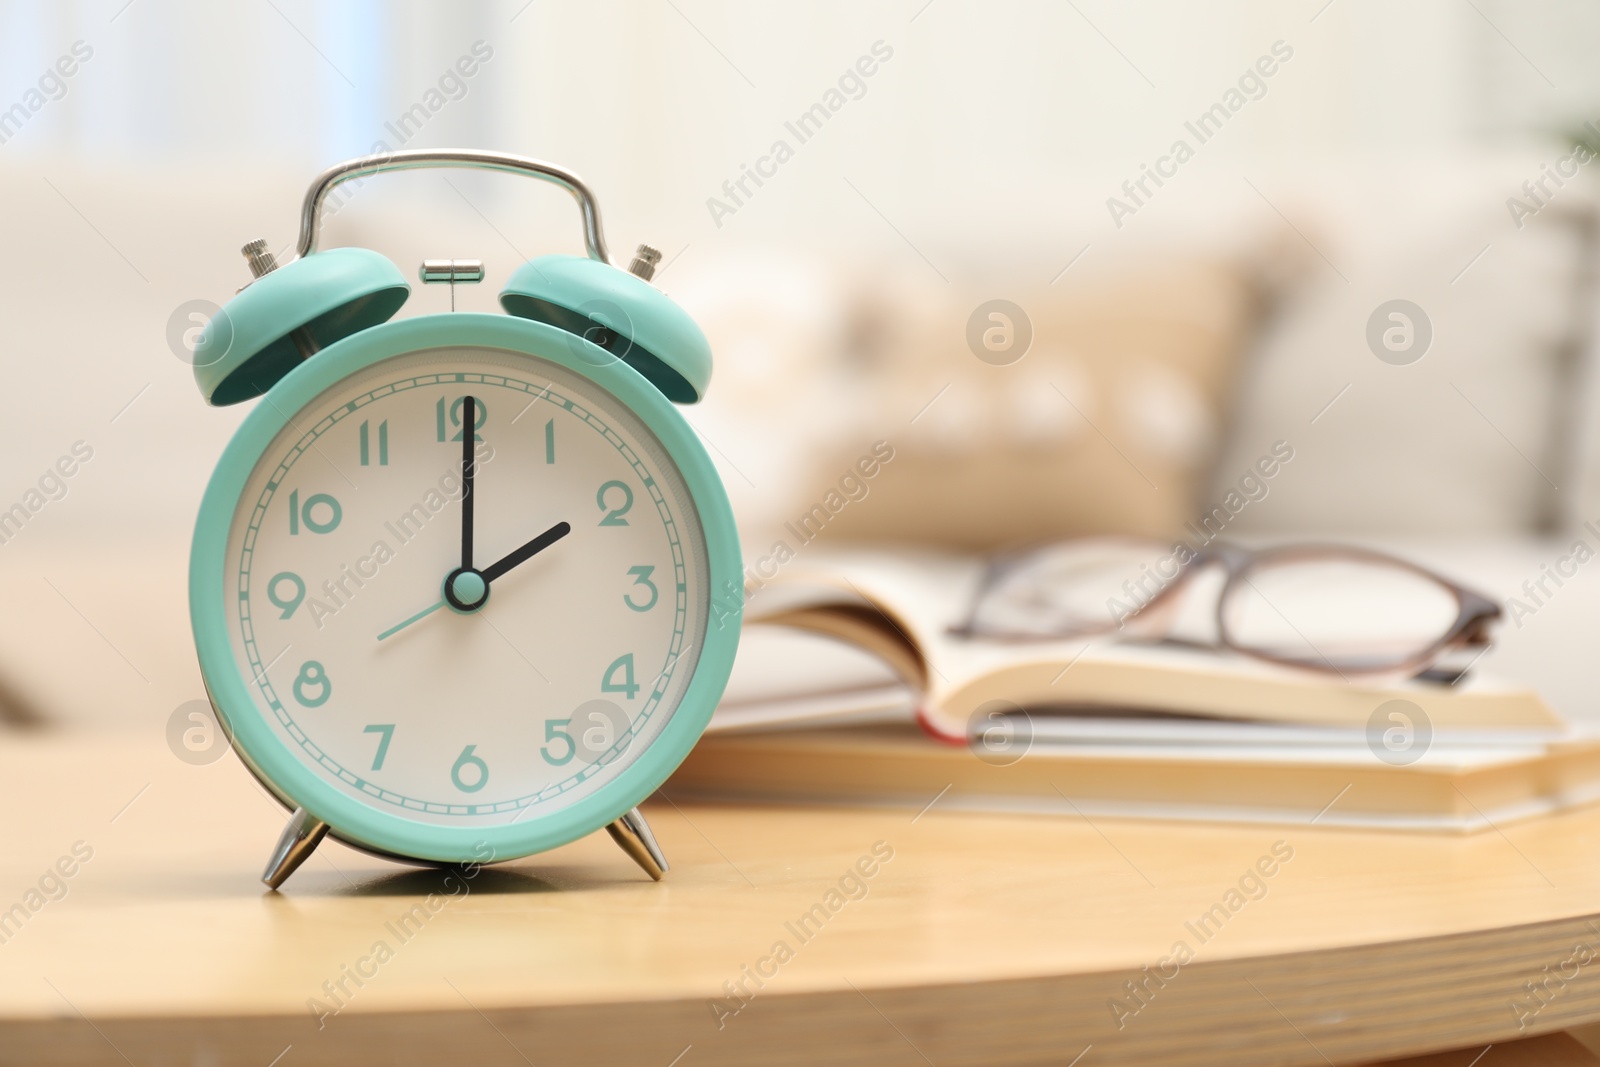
[[464, 587]]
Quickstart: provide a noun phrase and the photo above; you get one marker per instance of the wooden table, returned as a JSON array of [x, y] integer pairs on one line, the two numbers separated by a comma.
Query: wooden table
[[983, 940]]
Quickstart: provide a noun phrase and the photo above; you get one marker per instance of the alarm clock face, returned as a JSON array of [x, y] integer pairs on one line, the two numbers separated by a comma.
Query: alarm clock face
[[478, 685]]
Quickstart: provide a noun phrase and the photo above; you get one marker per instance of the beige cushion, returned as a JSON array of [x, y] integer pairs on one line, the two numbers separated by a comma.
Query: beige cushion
[[1109, 422]]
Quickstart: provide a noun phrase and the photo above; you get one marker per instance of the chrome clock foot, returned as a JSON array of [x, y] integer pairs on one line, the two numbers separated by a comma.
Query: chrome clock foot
[[298, 840], [633, 834]]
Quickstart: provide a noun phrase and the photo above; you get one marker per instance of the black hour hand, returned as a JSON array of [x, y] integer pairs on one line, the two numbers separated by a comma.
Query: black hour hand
[[527, 551]]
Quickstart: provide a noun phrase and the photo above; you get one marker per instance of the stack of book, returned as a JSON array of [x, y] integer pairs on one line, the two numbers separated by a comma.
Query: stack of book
[[850, 689]]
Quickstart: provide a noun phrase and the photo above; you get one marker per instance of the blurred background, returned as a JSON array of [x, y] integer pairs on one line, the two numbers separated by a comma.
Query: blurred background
[[1081, 266]]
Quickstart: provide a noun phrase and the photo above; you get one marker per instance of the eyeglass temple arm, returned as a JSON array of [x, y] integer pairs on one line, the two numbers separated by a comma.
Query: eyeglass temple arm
[[1478, 616], [1471, 633]]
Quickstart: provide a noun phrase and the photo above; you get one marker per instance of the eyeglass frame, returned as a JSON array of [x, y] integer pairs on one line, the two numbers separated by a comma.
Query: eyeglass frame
[[1475, 612]]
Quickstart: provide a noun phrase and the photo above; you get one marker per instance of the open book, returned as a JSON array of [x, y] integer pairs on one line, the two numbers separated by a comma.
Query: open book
[[898, 609], [847, 667]]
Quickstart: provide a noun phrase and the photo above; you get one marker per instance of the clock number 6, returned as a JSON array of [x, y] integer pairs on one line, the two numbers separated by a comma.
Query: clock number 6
[[312, 676], [613, 516], [641, 576], [480, 771], [556, 729], [308, 513]]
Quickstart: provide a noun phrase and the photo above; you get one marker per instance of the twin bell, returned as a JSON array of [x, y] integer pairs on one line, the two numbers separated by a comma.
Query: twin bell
[[288, 313]]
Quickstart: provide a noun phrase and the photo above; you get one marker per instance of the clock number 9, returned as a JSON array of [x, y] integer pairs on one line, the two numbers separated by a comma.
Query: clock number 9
[[307, 513], [613, 516], [480, 415], [480, 771], [288, 606], [312, 676]]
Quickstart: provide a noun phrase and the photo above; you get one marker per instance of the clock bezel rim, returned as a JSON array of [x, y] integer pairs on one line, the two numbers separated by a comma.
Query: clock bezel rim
[[270, 757]]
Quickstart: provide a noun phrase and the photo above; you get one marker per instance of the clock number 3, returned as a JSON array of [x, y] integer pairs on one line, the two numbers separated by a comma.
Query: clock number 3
[[641, 576]]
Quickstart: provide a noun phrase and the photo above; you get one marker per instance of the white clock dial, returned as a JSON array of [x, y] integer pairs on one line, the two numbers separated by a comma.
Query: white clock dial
[[338, 555]]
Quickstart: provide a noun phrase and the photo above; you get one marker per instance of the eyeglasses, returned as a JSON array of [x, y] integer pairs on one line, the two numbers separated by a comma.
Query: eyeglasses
[[1342, 610]]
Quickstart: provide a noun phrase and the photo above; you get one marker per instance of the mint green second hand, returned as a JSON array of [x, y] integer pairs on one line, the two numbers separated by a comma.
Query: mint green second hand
[[424, 613]]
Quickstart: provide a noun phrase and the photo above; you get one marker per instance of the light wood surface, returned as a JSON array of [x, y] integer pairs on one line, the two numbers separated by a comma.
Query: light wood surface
[[1548, 1050], [985, 940]]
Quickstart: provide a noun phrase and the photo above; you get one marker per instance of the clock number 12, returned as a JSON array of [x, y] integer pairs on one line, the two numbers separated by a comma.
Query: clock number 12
[[442, 431]]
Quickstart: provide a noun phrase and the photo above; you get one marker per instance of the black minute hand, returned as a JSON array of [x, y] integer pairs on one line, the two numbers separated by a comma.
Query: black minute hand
[[527, 551], [469, 422]]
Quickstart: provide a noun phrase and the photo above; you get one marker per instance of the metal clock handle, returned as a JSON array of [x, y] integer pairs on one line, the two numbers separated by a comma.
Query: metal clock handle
[[414, 159]]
